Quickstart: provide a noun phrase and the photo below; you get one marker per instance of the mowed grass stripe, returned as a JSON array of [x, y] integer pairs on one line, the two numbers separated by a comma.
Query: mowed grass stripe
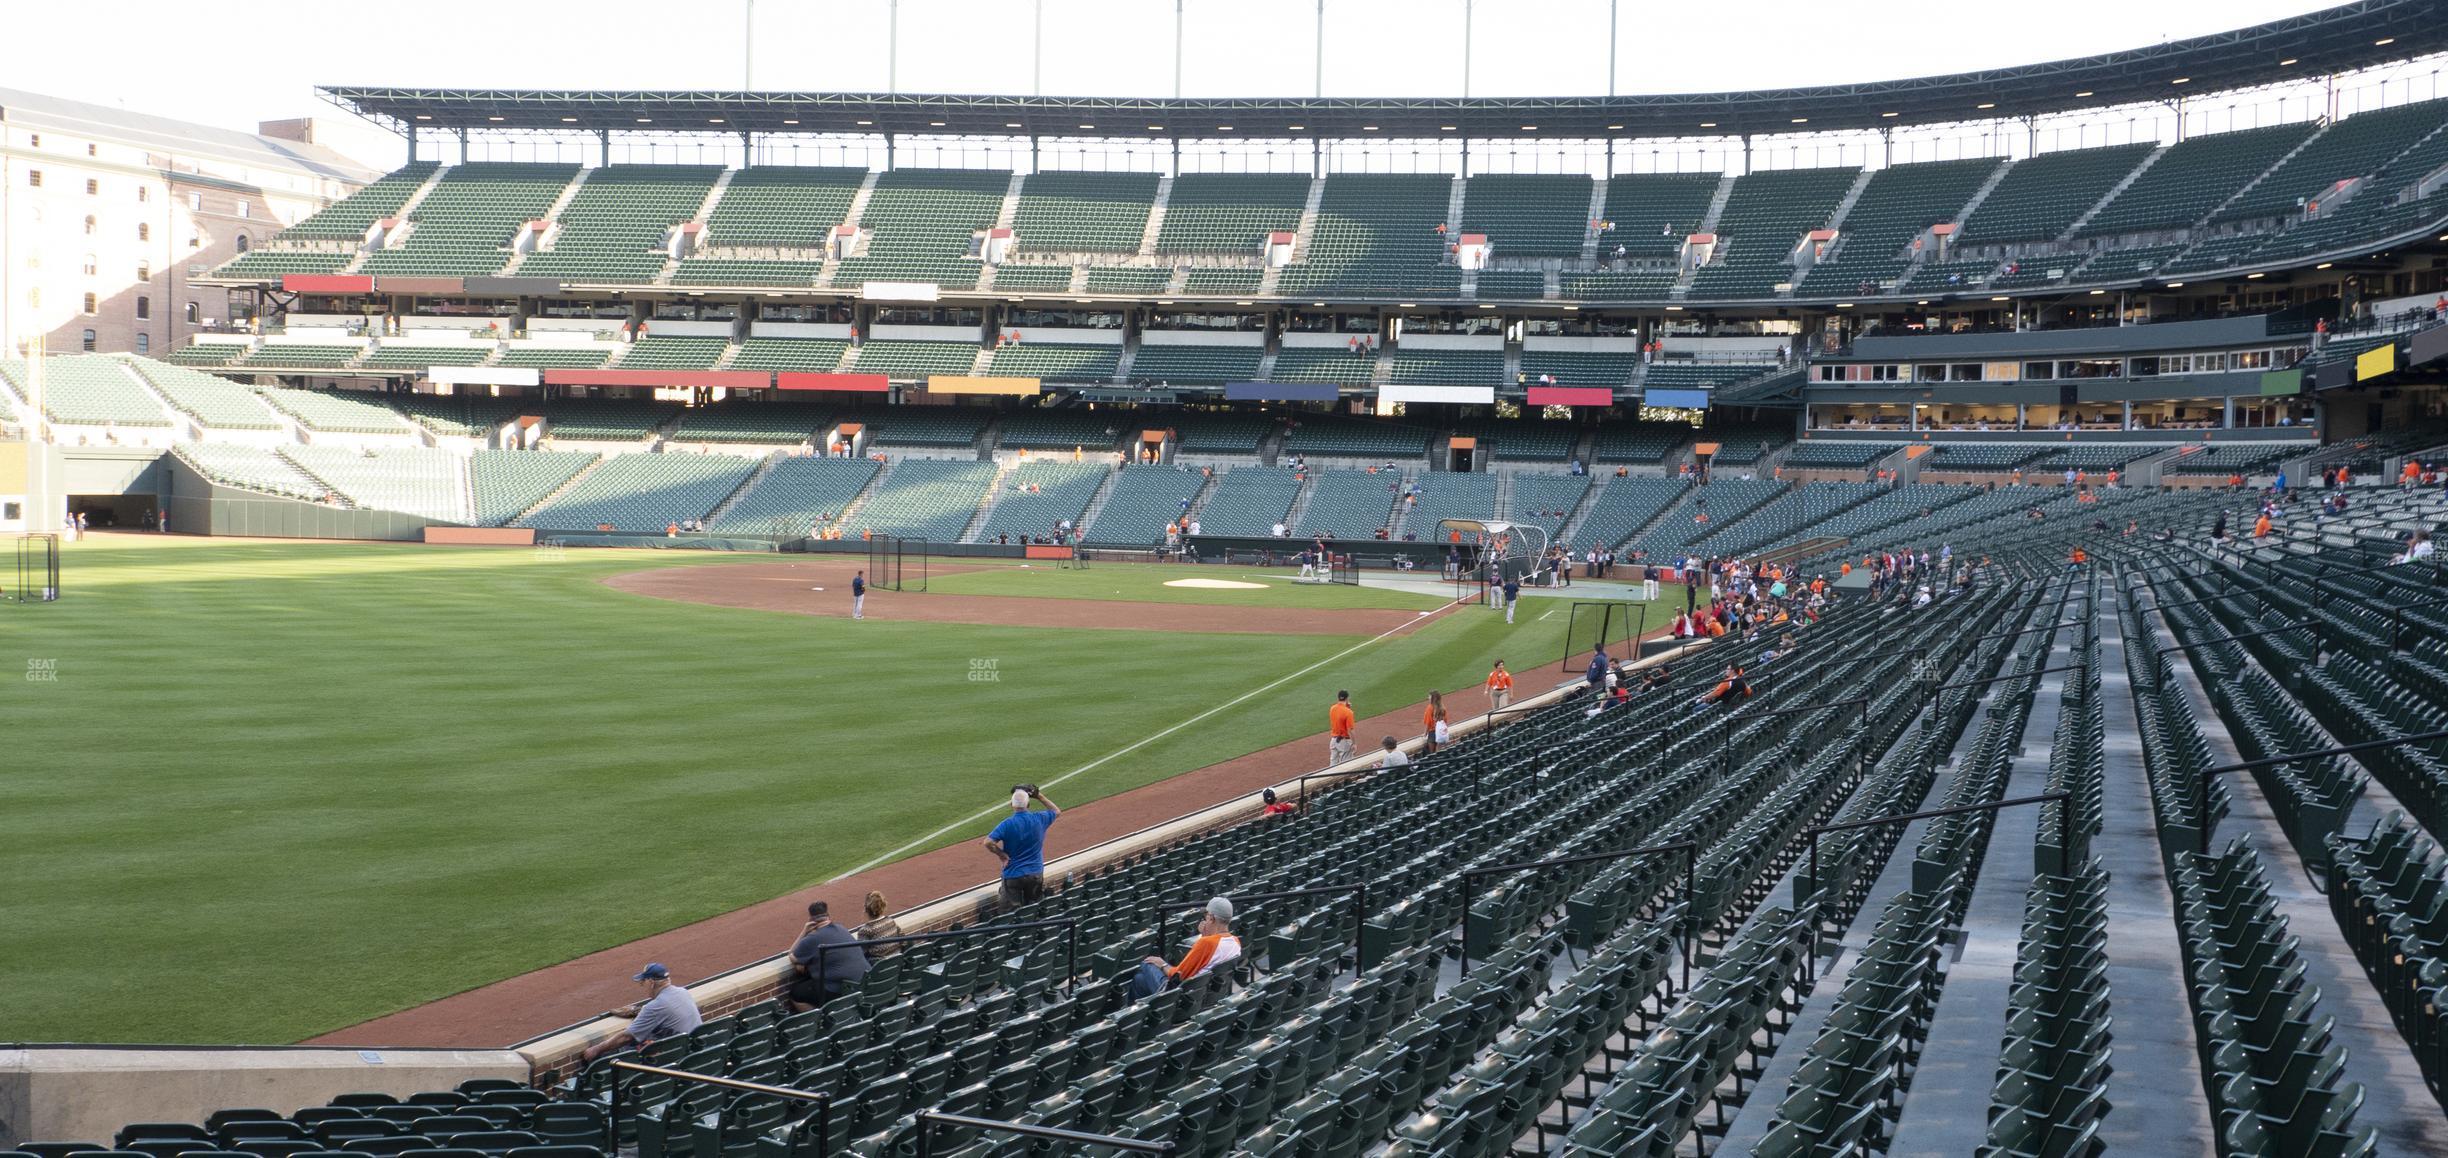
[[282, 788]]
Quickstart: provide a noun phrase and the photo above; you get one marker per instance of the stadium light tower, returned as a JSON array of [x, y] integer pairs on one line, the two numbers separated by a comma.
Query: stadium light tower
[[747, 49]]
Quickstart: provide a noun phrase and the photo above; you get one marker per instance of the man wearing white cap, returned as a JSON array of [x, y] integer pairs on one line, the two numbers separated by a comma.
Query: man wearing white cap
[[1215, 948], [1020, 842]]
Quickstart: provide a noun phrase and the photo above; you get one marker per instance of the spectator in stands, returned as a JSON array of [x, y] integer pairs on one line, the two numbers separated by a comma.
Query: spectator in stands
[[2417, 549], [1339, 724], [1215, 948], [1019, 842], [1428, 719], [878, 926], [819, 973], [1733, 687], [1391, 755], [1273, 806], [667, 1011]]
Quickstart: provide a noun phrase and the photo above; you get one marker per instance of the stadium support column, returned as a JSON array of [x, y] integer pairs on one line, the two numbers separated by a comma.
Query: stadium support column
[[1746, 154], [603, 145], [1321, 51], [888, 152], [1177, 64], [412, 144], [747, 148], [1886, 145], [1032, 152], [2031, 136], [463, 145]]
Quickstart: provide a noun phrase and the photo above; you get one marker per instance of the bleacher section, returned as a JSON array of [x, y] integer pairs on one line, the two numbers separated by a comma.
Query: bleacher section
[[1334, 364], [1067, 211], [402, 356], [744, 271], [1521, 285], [1221, 281], [1764, 218], [1446, 495], [767, 423], [1624, 505], [1055, 361], [1377, 236], [643, 492], [1142, 501], [88, 391], [1525, 439], [302, 356], [1330, 435], [1212, 432], [925, 498], [1093, 431], [1579, 367], [911, 361], [2040, 197], [462, 416], [1640, 442], [781, 206], [919, 223], [1420, 367], [818, 355], [348, 218], [1798, 511], [588, 357], [1248, 501], [419, 481], [1195, 365], [795, 495], [607, 421], [1136, 280], [2192, 177], [1528, 214], [1347, 504], [1230, 212], [1032, 277], [507, 482], [1834, 455], [1546, 501], [1702, 512], [2353, 147], [668, 353], [1036, 497], [933, 427], [465, 226], [613, 230], [338, 411], [251, 468], [214, 402], [1653, 212], [207, 354], [1898, 204]]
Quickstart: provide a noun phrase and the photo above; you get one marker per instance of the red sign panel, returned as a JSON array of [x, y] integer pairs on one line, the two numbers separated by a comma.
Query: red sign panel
[[681, 379], [327, 283], [1572, 396], [805, 380]]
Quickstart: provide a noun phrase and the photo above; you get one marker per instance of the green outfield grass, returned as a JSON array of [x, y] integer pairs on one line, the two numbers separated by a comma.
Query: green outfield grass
[[1146, 583], [275, 789]]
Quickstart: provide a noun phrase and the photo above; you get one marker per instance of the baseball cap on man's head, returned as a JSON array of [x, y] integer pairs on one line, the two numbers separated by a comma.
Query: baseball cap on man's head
[[654, 972], [1221, 908], [1020, 799]]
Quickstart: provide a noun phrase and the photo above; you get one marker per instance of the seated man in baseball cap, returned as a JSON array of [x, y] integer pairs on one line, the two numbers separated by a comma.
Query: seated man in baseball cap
[[1215, 948], [667, 1011]]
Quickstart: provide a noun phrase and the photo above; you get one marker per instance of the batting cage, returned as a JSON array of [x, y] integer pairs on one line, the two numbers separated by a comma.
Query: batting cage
[[38, 569], [1492, 551], [1343, 567], [897, 564], [1613, 626]]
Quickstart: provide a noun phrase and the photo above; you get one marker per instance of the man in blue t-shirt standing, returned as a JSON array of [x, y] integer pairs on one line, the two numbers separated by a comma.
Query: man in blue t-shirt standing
[[1020, 843]]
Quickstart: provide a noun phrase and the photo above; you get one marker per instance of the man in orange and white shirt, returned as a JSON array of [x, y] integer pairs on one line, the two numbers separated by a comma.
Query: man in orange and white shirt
[[1339, 723], [1500, 688], [1216, 948]]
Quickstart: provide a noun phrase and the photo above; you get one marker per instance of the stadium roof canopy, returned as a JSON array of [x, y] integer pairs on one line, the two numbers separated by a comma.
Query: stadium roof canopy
[[2344, 38]]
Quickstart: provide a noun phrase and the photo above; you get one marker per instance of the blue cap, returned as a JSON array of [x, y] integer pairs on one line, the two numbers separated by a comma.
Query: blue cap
[[654, 972]]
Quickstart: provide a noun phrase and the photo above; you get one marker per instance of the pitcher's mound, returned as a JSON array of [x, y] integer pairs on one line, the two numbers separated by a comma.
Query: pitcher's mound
[[1220, 584]]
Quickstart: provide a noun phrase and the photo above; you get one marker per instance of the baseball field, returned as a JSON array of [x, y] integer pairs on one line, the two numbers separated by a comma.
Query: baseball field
[[258, 791]]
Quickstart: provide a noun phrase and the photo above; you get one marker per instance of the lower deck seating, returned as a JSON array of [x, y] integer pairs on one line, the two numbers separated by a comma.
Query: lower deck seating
[[505, 483], [643, 492], [1036, 498], [922, 498], [1248, 501], [1143, 500], [798, 495]]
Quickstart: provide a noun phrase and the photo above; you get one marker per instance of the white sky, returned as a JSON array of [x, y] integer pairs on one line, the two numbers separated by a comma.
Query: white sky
[[235, 66]]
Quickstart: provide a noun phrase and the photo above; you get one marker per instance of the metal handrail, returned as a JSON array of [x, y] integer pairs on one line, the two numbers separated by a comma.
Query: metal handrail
[[1075, 1137], [1069, 926], [1691, 860], [824, 1101], [2065, 824]]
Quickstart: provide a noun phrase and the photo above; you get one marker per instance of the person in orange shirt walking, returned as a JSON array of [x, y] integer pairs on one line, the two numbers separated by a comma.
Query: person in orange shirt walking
[[1500, 688], [1339, 722], [1428, 720]]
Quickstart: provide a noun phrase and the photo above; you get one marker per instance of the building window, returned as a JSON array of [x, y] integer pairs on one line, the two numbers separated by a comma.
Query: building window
[[195, 203], [243, 243], [91, 304], [144, 232], [245, 210], [144, 271], [34, 178], [193, 313], [91, 267], [93, 150], [92, 187], [144, 308], [144, 343], [144, 194], [34, 140], [89, 342]]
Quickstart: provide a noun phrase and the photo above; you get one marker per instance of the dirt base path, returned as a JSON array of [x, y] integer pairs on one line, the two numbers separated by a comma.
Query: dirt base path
[[787, 587], [530, 1004]]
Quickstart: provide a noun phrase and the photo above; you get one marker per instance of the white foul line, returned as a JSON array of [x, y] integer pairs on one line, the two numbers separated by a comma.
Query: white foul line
[[1135, 746]]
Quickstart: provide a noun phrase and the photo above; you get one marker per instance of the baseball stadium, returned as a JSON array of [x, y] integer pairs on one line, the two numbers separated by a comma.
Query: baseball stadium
[[1882, 617]]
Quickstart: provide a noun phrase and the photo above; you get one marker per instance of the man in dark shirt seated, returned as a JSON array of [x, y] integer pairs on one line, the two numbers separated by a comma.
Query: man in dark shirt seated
[[840, 967]]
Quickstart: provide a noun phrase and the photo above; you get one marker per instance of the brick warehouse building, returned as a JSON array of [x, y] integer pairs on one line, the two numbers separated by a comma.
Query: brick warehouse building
[[106, 215]]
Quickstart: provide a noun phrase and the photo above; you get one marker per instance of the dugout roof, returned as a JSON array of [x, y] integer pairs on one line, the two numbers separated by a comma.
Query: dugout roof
[[2350, 36]]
